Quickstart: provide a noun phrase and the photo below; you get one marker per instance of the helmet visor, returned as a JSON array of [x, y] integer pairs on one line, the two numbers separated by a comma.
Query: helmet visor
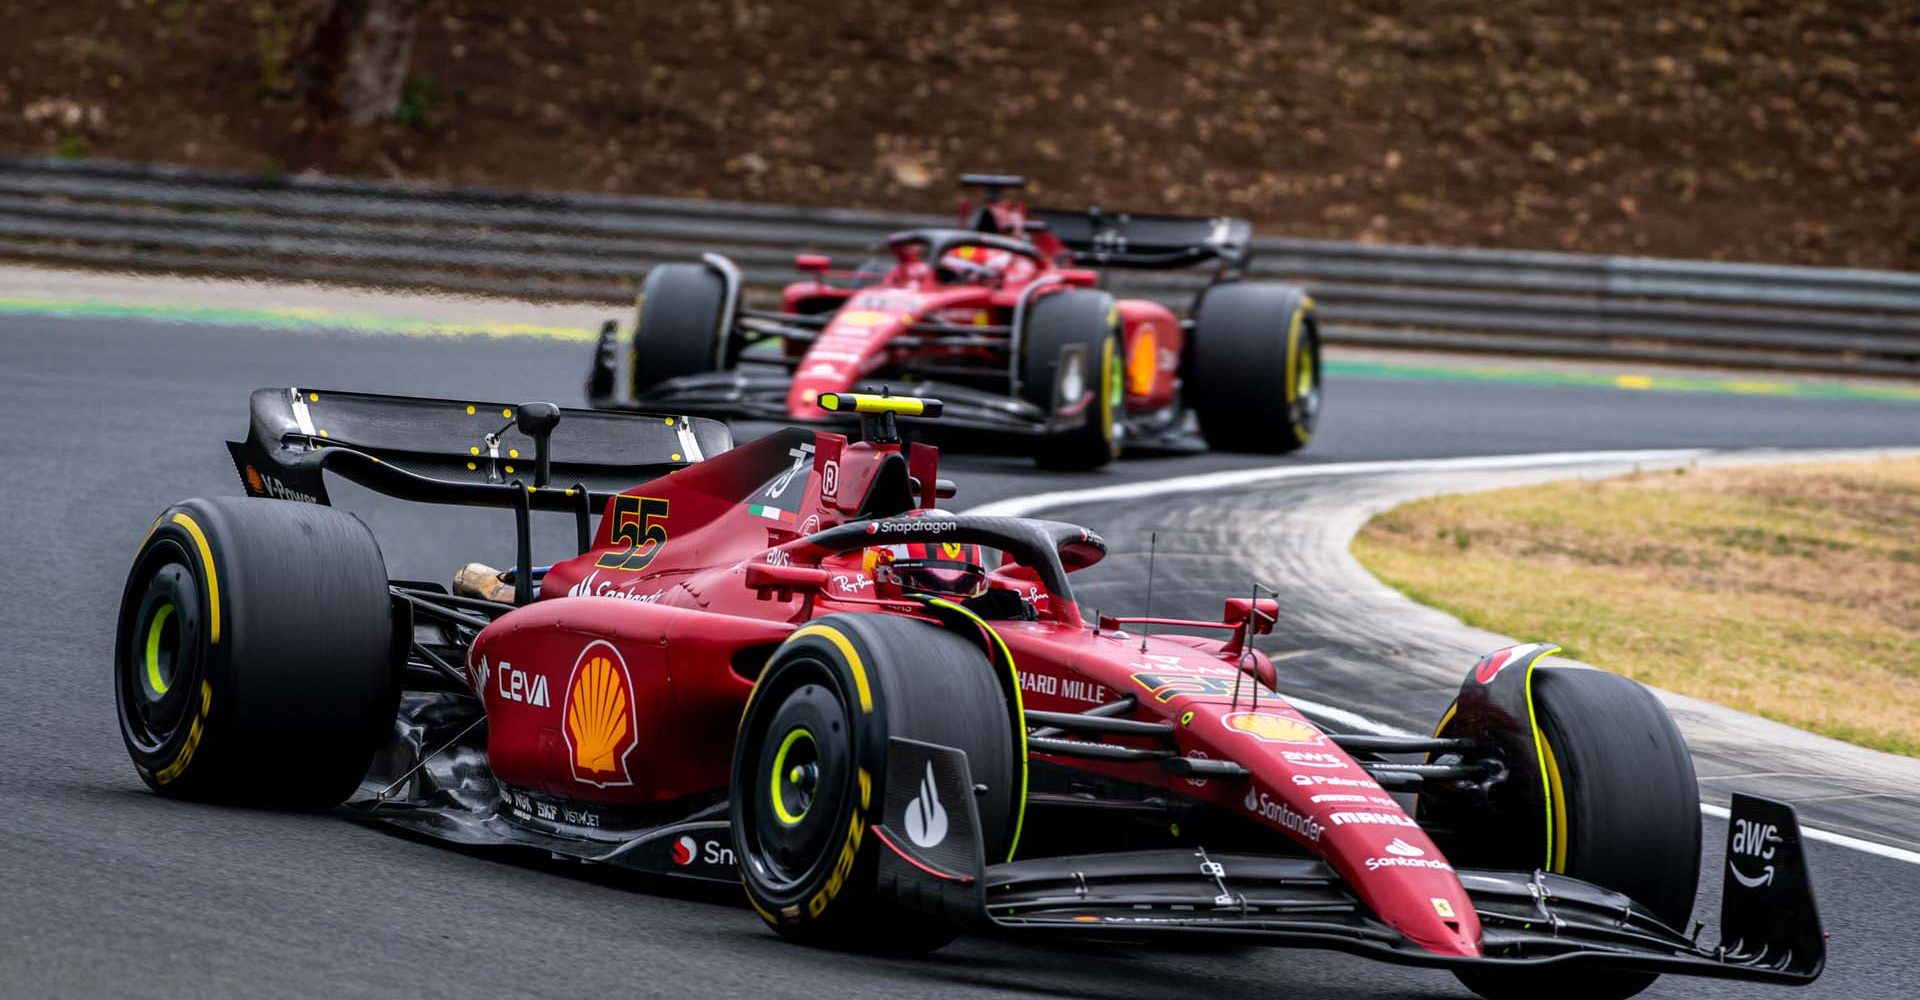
[[940, 576]]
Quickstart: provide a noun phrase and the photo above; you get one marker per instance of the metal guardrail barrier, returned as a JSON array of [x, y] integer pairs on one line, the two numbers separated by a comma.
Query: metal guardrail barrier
[[597, 246]]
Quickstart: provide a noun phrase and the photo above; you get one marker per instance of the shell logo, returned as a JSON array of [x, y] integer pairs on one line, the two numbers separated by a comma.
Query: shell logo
[[1271, 728], [862, 318], [1142, 361], [599, 710]]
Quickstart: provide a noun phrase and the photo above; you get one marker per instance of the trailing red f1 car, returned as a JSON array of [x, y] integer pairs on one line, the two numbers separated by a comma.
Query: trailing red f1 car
[[1006, 322], [781, 664]]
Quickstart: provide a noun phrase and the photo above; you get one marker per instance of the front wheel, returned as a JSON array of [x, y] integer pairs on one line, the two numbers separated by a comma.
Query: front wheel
[[810, 763], [1071, 357], [679, 328], [1253, 373], [1626, 816]]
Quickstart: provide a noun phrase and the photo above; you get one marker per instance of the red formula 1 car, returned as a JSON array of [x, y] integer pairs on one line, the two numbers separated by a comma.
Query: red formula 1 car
[[781, 665], [1003, 320]]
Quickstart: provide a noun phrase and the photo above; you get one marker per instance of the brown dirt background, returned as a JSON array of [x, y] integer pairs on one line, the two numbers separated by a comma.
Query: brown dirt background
[[1732, 129]]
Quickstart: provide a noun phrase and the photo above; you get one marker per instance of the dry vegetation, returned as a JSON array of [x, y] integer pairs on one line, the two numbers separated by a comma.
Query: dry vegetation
[[1724, 128], [1789, 592]]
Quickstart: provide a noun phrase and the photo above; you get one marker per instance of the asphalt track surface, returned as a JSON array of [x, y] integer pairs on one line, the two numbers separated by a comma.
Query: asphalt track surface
[[108, 890]]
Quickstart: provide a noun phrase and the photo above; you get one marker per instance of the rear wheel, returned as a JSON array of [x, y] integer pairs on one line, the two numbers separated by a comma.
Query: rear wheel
[[809, 767], [253, 663], [678, 327], [1072, 343], [1626, 814], [1254, 372]]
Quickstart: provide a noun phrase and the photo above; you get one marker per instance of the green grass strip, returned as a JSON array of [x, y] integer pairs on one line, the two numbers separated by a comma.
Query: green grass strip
[[1801, 388], [284, 318]]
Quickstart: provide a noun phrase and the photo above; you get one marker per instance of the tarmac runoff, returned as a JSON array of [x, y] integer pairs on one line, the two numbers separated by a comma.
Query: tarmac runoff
[[1848, 796]]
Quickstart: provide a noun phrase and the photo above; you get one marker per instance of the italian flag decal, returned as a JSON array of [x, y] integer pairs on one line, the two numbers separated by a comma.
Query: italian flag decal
[[772, 513]]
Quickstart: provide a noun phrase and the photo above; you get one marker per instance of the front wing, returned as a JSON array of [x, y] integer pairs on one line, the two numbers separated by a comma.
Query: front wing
[[739, 394], [759, 392], [1769, 932]]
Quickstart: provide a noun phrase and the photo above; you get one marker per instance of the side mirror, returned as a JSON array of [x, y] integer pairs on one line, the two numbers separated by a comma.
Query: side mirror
[[817, 263], [783, 581], [1263, 613], [944, 489]]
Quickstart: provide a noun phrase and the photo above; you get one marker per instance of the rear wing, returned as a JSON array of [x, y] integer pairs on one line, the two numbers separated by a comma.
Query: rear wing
[[455, 451], [1125, 239], [516, 456]]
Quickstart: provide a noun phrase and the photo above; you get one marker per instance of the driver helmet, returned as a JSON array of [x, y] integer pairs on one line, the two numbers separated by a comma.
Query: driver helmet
[[976, 263], [947, 569]]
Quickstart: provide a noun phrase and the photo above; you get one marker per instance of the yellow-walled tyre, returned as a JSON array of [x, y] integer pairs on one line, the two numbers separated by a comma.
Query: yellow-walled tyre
[[810, 763], [253, 662], [1072, 341], [1253, 369], [1626, 810]]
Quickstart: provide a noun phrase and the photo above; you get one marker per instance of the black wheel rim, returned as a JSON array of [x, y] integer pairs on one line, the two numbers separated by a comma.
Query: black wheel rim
[[794, 775], [801, 777], [161, 661]]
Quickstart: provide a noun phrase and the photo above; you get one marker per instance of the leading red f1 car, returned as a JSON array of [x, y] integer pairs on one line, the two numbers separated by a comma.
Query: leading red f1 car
[[1006, 320], [781, 664]]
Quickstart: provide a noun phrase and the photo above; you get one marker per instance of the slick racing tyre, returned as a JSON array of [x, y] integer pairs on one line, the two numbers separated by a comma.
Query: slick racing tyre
[[253, 663], [1080, 330], [678, 328], [810, 764], [1253, 373], [1626, 816]]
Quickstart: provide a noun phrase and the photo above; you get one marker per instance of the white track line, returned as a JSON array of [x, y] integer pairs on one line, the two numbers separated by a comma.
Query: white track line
[[1345, 717], [1207, 481], [1837, 839], [1354, 720]]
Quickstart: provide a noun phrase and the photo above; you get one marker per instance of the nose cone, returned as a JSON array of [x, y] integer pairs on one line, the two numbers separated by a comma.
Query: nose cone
[[1308, 790], [1402, 875], [853, 342], [1439, 932]]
